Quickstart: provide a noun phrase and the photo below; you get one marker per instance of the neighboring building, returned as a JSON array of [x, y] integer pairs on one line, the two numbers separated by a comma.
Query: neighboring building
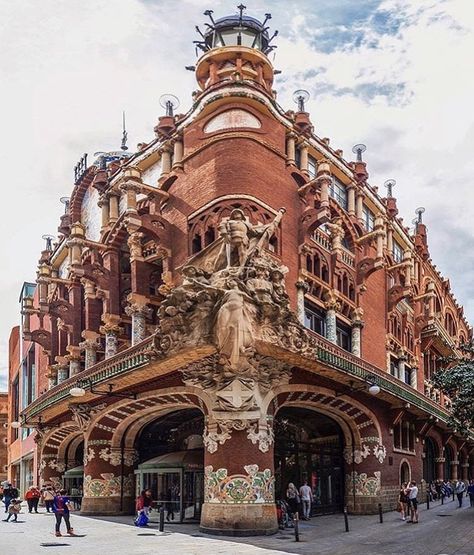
[[3, 436], [206, 344], [24, 361]]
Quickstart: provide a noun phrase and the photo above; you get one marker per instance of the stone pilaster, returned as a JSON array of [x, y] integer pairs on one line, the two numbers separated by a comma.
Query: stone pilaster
[[440, 468]]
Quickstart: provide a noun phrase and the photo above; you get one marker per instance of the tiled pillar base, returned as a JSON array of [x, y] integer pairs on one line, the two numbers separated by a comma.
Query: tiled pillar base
[[239, 519]]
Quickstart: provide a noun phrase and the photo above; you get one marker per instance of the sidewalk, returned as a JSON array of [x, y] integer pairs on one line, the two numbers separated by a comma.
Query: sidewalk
[[443, 530]]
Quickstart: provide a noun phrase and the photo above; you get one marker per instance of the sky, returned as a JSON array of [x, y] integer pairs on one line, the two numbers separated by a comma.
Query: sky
[[396, 75]]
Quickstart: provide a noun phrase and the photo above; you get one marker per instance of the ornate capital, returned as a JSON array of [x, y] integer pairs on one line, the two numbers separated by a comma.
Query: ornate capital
[[134, 243], [332, 300]]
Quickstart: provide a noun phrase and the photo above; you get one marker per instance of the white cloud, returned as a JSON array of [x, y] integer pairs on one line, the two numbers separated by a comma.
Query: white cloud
[[68, 69]]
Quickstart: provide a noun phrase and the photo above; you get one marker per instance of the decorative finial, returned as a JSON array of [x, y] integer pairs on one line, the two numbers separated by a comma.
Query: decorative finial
[[359, 149], [65, 201], [300, 97], [49, 242], [169, 102], [124, 146], [389, 185], [419, 211]]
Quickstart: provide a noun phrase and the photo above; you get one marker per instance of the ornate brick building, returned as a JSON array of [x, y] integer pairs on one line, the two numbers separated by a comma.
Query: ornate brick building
[[3, 436], [234, 307]]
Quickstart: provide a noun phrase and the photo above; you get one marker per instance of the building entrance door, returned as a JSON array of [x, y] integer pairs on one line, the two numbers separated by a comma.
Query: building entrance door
[[309, 447]]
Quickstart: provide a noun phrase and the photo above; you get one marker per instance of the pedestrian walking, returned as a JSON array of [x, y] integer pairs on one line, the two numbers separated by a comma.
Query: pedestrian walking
[[459, 490], [306, 496], [61, 509], [413, 499], [14, 507], [293, 499], [470, 492], [9, 493], [143, 506], [403, 501], [48, 497], [32, 497]]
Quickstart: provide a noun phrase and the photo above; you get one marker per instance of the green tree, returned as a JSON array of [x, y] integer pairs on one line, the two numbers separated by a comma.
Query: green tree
[[456, 380]]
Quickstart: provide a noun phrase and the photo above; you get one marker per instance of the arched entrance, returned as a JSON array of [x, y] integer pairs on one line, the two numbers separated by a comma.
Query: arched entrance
[[171, 463], [404, 473], [309, 446], [429, 462]]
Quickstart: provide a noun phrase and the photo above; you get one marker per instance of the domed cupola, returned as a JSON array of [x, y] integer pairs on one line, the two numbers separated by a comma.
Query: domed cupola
[[235, 49]]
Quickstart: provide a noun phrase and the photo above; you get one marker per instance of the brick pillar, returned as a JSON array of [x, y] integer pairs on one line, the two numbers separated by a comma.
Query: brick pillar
[[440, 468], [109, 486], [51, 468], [464, 471], [454, 469], [238, 483]]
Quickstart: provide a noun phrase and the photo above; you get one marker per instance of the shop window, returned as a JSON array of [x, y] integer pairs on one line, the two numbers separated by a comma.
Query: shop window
[[315, 319]]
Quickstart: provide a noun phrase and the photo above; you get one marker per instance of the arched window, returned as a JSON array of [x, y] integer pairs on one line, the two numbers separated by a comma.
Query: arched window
[[209, 236], [196, 244], [309, 263], [429, 463]]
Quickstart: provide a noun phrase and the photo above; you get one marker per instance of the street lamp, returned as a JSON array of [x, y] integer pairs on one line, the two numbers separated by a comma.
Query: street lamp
[[77, 391]]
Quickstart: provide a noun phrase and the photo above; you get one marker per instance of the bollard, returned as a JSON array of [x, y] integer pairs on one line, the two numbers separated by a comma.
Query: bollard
[[346, 519], [162, 519], [442, 499], [380, 513], [297, 530], [427, 501]]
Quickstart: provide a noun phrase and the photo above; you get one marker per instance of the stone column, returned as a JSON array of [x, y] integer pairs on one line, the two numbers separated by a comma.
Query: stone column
[[131, 188], [239, 498], [113, 207], [414, 376], [74, 358], [290, 149], [454, 469], [401, 368], [304, 159], [138, 310], [178, 154], [90, 346], [360, 205], [464, 471], [440, 468], [111, 330], [301, 289], [165, 160], [52, 376], [62, 369], [331, 305], [351, 199], [104, 205], [357, 325], [389, 238]]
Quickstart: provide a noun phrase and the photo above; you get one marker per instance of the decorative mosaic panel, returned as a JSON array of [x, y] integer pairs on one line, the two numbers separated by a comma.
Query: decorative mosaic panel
[[231, 119], [362, 484], [91, 214], [108, 485], [254, 487]]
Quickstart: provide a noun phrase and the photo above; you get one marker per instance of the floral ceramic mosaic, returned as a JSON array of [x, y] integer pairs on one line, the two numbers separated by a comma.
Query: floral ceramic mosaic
[[254, 487]]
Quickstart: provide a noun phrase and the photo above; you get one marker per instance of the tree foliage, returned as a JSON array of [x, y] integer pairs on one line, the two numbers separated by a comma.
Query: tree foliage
[[457, 382]]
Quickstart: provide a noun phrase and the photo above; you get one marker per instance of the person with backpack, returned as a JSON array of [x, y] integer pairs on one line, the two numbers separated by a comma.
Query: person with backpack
[[61, 509], [47, 494]]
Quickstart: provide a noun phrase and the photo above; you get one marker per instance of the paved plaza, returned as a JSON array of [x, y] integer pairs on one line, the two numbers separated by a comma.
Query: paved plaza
[[443, 530]]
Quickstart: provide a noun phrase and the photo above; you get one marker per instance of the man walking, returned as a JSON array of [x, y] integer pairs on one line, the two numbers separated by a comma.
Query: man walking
[[459, 490], [306, 495], [412, 496]]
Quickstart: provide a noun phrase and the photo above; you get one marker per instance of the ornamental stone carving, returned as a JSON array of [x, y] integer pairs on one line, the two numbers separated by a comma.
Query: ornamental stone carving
[[82, 414]]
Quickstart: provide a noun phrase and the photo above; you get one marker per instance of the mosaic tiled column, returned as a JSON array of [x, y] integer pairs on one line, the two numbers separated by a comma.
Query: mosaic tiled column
[[74, 359], [357, 325], [301, 288], [239, 497], [62, 369], [90, 345], [332, 305], [138, 310], [109, 486], [111, 330]]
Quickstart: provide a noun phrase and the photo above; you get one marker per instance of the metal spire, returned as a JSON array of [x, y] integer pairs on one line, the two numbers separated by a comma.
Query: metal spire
[[124, 133]]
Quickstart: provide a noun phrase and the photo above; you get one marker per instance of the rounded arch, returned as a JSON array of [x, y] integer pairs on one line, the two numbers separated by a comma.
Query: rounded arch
[[355, 415], [404, 471]]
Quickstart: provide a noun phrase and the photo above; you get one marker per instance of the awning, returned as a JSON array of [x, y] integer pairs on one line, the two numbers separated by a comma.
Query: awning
[[76, 472], [192, 459]]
